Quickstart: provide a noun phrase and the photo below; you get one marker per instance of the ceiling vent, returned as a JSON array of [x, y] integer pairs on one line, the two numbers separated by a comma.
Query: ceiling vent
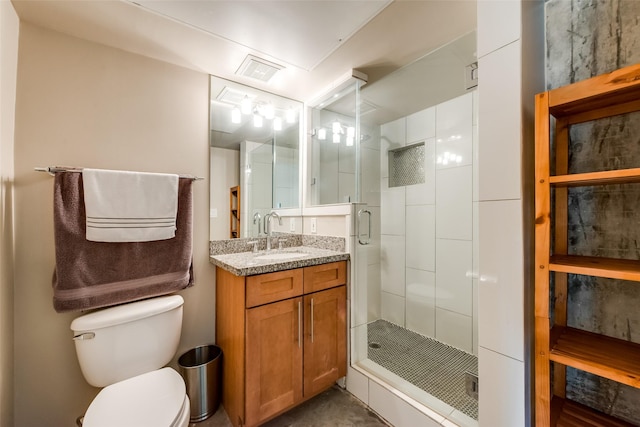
[[231, 96], [257, 68], [366, 107]]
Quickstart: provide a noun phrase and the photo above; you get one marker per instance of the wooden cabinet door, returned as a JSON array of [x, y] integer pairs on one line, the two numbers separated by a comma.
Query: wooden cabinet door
[[325, 342], [273, 359]]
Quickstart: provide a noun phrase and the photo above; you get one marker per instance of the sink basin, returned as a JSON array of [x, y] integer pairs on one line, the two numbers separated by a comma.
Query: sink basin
[[280, 256]]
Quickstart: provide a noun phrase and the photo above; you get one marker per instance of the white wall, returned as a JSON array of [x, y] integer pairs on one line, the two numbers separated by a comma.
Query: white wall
[[224, 174], [9, 27], [511, 60], [427, 229], [84, 104]]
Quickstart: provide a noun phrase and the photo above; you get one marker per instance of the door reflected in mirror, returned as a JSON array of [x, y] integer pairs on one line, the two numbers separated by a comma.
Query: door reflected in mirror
[[254, 157]]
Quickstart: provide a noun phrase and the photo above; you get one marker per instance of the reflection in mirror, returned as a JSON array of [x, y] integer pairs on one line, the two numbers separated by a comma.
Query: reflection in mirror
[[255, 158], [334, 151]]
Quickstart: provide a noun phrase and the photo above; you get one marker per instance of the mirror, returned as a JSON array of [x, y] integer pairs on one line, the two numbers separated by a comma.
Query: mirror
[[332, 176], [333, 148], [254, 157]]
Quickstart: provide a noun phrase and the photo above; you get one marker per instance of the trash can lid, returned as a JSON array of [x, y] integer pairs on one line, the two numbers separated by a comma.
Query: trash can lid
[[152, 399]]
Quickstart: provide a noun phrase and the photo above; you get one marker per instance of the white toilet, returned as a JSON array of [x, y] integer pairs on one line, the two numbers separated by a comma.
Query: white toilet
[[124, 349]]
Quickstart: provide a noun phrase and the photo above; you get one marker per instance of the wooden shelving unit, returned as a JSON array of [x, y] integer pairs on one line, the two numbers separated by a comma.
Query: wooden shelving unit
[[558, 346], [234, 212]]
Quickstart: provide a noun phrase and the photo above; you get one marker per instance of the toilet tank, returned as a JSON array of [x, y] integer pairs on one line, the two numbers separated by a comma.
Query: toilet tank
[[121, 342]]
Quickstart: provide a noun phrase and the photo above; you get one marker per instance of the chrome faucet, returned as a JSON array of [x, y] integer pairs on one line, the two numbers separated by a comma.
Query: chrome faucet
[[256, 219], [267, 227]]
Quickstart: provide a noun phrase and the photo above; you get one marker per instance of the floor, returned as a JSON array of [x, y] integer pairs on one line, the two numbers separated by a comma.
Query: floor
[[434, 367], [333, 408]]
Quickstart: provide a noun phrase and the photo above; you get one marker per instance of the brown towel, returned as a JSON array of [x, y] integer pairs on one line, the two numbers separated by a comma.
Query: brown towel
[[98, 274]]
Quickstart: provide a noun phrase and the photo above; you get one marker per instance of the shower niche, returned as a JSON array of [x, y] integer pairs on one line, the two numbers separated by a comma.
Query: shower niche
[[407, 165]]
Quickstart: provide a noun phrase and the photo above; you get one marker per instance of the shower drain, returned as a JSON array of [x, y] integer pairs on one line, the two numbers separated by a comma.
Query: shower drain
[[374, 345]]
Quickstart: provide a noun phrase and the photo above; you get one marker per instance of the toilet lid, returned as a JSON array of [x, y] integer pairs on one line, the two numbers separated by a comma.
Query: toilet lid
[[153, 399]]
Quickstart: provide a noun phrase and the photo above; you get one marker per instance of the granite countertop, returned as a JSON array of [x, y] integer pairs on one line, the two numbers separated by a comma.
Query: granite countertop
[[246, 264]]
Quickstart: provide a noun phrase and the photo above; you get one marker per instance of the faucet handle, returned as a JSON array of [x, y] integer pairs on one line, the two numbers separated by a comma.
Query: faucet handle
[[280, 241], [255, 245]]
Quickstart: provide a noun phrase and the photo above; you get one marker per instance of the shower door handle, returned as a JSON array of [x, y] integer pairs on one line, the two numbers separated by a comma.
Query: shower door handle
[[368, 240]]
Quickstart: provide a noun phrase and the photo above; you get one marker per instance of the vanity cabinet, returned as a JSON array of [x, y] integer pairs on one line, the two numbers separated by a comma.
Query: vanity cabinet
[[283, 337]]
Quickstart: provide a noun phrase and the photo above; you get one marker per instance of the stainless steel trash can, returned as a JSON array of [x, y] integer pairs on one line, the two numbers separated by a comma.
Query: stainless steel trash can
[[201, 368]]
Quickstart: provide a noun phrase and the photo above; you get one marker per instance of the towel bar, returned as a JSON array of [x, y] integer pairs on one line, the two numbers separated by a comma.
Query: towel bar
[[51, 170]]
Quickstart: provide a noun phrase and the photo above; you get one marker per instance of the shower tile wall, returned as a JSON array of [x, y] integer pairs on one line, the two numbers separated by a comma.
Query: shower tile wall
[[427, 229]]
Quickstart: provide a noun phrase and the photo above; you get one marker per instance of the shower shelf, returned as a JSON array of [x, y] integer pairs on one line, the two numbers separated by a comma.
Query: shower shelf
[[558, 346]]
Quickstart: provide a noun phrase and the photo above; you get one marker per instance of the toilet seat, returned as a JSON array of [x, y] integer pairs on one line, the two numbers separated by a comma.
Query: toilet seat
[[154, 399]]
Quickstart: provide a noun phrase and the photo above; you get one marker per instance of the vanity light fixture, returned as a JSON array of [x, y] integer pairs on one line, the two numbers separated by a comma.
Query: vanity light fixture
[[236, 116], [351, 135], [336, 138], [336, 128], [258, 121], [269, 111], [322, 134], [245, 105], [277, 123], [290, 115]]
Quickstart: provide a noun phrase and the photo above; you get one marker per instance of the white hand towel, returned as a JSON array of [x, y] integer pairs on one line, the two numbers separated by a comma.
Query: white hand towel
[[123, 206]]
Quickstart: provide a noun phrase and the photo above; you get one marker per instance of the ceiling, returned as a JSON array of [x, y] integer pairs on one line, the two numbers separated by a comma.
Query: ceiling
[[315, 41], [298, 33]]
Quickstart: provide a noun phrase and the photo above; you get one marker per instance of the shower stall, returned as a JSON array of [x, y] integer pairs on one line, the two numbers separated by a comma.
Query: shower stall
[[412, 178], [416, 324]]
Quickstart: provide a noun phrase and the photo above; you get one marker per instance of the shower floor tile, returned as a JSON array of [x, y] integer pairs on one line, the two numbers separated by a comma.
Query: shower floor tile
[[430, 365]]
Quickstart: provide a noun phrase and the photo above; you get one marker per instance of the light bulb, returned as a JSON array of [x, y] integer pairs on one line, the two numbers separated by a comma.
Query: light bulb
[[322, 134], [351, 132], [336, 138], [277, 123], [236, 116], [336, 128], [245, 105], [290, 116], [269, 111], [257, 121], [349, 141]]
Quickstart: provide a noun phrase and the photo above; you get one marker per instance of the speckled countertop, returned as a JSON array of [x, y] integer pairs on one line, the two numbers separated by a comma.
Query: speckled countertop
[[246, 264]]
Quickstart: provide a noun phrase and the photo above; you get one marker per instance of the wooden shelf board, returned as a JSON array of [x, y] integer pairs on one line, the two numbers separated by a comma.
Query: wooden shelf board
[[567, 413], [604, 356], [623, 176], [595, 266], [606, 90]]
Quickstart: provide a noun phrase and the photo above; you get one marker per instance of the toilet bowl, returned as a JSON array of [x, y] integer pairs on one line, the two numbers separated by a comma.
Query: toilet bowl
[[124, 349]]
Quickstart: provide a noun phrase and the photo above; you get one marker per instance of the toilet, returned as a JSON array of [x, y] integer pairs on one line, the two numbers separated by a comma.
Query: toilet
[[124, 349]]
